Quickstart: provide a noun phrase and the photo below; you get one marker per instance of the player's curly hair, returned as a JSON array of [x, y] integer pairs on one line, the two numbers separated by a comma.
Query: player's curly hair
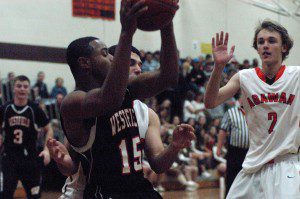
[[274, 26]]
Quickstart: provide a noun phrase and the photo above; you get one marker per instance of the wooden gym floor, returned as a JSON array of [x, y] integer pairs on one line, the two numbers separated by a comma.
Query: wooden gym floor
[[200, 193]]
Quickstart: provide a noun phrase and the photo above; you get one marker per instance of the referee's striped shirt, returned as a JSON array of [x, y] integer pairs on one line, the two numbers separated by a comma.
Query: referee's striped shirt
[[234, 122]]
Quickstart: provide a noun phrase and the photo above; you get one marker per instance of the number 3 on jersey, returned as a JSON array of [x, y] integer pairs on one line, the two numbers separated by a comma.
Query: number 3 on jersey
[[272, 116], [18, 136], [137, 155]]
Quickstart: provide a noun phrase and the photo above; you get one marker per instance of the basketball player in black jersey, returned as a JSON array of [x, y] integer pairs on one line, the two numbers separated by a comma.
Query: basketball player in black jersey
[[99, 119], [21, 121], [67, 166]]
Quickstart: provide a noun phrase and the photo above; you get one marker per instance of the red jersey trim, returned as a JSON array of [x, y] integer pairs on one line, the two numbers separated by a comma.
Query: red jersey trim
[[262, 76], [280, 73]]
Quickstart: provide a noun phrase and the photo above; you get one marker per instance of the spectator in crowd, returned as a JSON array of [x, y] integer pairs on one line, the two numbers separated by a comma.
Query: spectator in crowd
[[213, 132], [220, 160], [7, 90], [188, 109], [175, 121], [152, 103], [187, 66], [202, 123], [165, 112], [58, 88], [245, 65], [198, 104], [59, 99], [197, 77], [57, 130], [40, 86], [156, 56], [200, 157], [201, 128], [254, 63], [208, 66], [149, 64], [190, 169], [143, 55]]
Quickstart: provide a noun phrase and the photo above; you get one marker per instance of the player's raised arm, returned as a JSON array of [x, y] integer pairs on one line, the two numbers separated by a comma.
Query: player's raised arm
[[110, 97], [214, 95], [151, 83]]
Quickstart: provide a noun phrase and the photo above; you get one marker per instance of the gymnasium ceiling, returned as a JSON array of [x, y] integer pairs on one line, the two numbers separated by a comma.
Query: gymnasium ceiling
[[289, 8]]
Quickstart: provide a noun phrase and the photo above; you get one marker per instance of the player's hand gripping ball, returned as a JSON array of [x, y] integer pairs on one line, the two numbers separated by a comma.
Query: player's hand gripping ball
[[159, 14]]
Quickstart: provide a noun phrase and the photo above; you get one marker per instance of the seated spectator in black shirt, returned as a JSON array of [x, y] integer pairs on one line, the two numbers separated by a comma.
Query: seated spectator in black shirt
[[42, 91], [8, 86], [58, 88]]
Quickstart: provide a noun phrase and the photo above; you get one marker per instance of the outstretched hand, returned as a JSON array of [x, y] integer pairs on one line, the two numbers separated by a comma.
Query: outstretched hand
[[182, 136], [220, 49], [58, 151]]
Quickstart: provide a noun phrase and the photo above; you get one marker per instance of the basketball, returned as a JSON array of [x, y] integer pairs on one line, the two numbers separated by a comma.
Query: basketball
[[159, 14]]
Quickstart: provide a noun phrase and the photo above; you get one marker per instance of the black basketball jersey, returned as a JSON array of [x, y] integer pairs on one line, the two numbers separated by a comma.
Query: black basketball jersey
[[113, 162], [20, 125]]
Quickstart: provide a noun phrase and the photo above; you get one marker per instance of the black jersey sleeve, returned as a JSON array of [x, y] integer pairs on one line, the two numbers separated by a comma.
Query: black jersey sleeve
[[41, 117]]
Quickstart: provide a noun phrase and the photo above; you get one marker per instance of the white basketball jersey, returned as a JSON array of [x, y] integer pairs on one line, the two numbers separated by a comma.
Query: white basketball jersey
[[142, 117], [272, 115]]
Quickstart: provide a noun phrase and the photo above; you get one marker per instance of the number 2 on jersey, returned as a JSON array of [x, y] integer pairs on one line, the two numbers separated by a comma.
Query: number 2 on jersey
[[137, 155], [272, 116]]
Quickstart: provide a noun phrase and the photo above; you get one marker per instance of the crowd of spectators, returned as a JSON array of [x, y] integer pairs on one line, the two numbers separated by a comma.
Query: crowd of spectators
[[180, 104]]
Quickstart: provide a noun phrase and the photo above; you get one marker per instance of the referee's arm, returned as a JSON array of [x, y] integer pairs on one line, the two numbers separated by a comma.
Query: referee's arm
[[221, 137], [225, 126]]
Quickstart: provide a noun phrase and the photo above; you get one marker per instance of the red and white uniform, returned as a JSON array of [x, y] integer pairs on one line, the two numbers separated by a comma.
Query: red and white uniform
[[271, 167]]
